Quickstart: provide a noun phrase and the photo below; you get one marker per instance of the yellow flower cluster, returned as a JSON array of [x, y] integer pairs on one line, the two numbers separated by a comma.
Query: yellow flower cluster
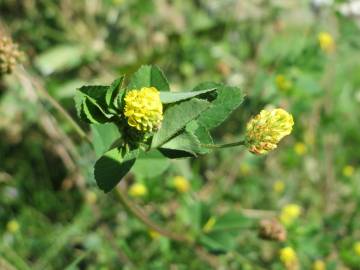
[[12, 226], [326, 42], [356, 248], [300, 148], [289, 213], [282, 83], [181, 184], [266, 129], [348, 171], [319, 265], [143, 109], [289, 258], [9, 55], [138, 190], [279, 186]]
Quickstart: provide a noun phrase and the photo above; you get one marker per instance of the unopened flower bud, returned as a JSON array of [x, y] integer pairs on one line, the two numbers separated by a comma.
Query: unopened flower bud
[[9, 55]]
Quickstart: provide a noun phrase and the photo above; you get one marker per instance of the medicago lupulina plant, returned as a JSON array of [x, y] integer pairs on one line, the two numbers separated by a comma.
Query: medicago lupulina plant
[[143, 118]]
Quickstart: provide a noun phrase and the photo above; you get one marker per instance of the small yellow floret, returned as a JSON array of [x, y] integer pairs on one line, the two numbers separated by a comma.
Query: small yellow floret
[[143, 109], [348, 171], [12, 226], [300, 148], [356, 248], [138, 190], [181, 184], [288, 257], [279, 186], [319, 265], [289, 213], [265, 130], [326, 42]]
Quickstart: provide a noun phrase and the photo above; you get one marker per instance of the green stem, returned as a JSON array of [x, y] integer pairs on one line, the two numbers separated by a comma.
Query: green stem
[[225, 145]]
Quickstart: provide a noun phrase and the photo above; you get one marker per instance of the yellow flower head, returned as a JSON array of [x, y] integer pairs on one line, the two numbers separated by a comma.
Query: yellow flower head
[[288, 257], [348, 171], [181, 184], [319, 265], [12, 226], [9, 55], [326, 42], [300, 148], [265, 130], [289, 213], [143, 109], [138, 190], [279, 186], [356, 248], [282, 83]]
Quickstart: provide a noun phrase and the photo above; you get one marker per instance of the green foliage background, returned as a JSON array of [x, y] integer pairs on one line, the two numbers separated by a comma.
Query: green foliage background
[[46, 171]]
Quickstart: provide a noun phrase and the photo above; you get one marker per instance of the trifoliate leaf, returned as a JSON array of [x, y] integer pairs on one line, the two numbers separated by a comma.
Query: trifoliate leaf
[[112, 167], [148, 76], [228, 99], [171, 97], [176, 117], [104, 136], [183, 145]]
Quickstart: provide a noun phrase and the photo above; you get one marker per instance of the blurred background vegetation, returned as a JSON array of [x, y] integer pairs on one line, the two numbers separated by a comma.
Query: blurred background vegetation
[[303, 56]]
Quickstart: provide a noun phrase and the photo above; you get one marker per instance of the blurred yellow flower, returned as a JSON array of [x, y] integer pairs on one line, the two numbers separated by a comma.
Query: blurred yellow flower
[[282, 83], [356, 248], [265, 130], [181, 184], [300, 148], [326, 42], [90, 197], [289, 213], [209, 225], [288, 257], [279, 186], [348, 171], [143, 109], [12, 226], [154, 234], [138, 190], [319, 265], [245, 169]]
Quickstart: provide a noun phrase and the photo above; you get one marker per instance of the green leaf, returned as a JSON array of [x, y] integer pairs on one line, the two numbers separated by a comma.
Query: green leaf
[[202, 134], [232, 221], [148, 76], [171, 97], [104, 136], [228, 99], [112, 167], [183, 145], [113, 92], [97, 94], [176, 117], [150, 164], [60, 58]]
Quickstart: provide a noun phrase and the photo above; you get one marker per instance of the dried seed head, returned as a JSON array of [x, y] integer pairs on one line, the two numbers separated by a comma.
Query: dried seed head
[[272, 230]]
